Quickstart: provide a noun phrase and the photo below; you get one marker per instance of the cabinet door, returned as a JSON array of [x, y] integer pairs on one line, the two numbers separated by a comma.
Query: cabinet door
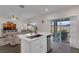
[[44, 44], [36, 46], [25, 46]]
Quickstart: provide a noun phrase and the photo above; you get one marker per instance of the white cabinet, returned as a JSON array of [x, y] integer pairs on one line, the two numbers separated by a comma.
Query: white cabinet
[[36, 46], [44, 44], [25, 46], [39, 45]]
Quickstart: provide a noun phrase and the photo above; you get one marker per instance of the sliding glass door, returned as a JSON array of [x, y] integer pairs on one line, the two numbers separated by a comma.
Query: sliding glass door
[[65, 30], [61, 30], [56, 30]]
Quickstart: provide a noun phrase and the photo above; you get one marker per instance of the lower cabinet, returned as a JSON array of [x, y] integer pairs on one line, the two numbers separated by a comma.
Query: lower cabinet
[[36, 46], [39, 46], [44, 45]]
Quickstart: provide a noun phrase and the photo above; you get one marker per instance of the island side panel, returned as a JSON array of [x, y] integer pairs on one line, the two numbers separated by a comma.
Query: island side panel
[[25, 46]]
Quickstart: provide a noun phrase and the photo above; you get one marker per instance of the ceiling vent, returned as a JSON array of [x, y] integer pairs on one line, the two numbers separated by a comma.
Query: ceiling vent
[[22, 6]]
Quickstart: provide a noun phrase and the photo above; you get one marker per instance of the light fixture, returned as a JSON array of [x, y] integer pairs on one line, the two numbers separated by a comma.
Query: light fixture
[[42, 21], [13, 17], [46, 9]]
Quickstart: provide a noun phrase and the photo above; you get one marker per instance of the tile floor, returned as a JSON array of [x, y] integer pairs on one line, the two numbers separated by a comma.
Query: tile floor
[[62, 48], [9, 49], [57, 48]]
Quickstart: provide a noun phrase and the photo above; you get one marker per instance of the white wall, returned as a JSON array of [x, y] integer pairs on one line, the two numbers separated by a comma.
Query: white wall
[[42, 27], [59, 14], [74, 30]]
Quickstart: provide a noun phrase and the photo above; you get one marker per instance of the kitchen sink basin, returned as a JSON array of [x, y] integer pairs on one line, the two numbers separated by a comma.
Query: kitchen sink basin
[[34, 36]]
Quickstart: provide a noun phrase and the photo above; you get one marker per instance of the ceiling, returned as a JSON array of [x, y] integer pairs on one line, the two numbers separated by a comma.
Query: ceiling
[[30, 11]]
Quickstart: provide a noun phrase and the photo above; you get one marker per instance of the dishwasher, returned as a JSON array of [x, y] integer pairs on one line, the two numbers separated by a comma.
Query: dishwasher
[[49, 43]]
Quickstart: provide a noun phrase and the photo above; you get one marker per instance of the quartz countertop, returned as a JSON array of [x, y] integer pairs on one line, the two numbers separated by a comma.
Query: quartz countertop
[[24, 36]]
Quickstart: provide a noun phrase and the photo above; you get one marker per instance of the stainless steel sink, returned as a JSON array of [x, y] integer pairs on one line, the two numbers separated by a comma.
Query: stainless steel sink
[[34, 36]]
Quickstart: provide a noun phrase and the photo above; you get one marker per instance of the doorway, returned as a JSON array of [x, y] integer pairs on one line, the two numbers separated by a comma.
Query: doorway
[[61, 30]]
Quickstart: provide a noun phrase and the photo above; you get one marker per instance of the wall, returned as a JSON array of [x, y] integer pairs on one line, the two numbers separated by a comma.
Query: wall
[[42, 27], [74, 29], [59, 14]]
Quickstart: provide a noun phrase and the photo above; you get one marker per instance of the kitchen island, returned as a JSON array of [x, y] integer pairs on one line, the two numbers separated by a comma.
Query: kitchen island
[[35, 43]]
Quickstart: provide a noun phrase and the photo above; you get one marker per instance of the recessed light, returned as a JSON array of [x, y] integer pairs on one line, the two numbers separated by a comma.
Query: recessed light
[[46, 9]]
